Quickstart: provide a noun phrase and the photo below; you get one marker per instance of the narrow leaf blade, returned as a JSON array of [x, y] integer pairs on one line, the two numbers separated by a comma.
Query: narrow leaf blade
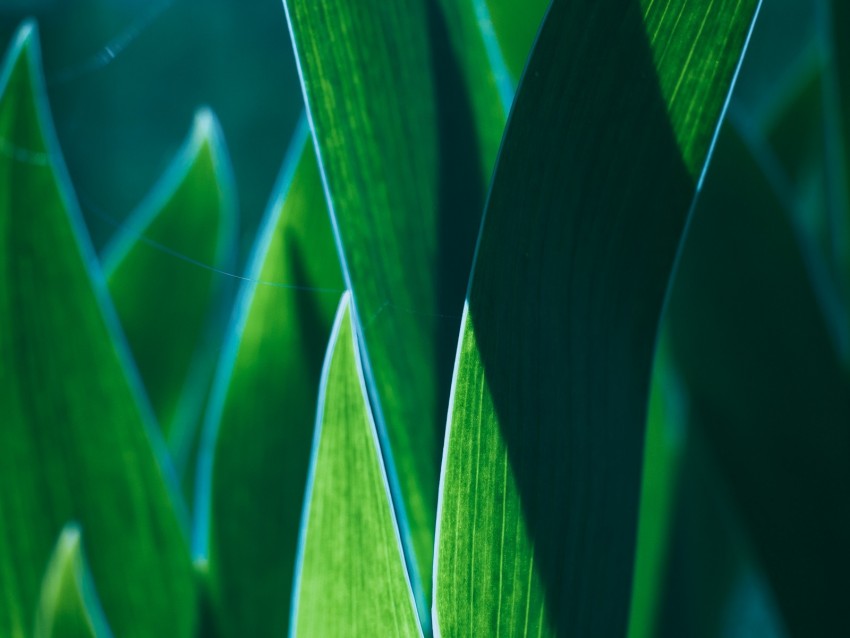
[[67, 605], [351, 577], [160, 271], [260, 422]]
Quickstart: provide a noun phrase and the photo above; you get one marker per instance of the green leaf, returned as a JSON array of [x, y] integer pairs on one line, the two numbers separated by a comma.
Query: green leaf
[[259, 425], [712, 583], [608, 138], [406, 116], [665, 423], [351, 575], [68, 607], [76, 443], [160, 268], [752, 345], [516, 23]]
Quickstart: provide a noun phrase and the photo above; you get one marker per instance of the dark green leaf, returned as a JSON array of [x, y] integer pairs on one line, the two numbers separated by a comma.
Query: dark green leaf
[[607, 141], [68, 607], [665, 424], [159, 268], [260, 421], [753, 348], [712, 585], [74, 443], [351, 576]]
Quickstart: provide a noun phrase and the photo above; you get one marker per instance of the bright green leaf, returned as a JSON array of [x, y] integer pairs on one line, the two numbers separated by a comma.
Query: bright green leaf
[[751, 344], [406, 116], [351, 575], [159, 268], [260, 421], [68, 607], [74, 442], [608, 138]]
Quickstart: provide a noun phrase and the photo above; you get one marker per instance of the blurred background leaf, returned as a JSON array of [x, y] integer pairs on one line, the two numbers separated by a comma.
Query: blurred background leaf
[[72, 402], [125, 77], [163, 268], [68, 606], [259, 425]]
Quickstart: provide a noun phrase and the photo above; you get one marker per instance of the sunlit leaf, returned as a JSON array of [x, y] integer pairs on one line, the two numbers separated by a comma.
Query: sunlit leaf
[[159, 268], [68, 607], [259, 426], [75, 442], [406, 115], [596, 177], [351, 575]]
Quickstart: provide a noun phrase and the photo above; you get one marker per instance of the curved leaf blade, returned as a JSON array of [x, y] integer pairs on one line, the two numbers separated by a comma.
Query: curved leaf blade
[[167, 304], [406, 117], [351, 575], [67, 606], [753, 347], [260, 421], [596, 177], [76, 442]]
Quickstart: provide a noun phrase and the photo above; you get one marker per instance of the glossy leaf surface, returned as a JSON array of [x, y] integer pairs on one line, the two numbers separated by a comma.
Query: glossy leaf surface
[[260, 423], [76, 441], [351, 576], [159, 269], [595, 180]]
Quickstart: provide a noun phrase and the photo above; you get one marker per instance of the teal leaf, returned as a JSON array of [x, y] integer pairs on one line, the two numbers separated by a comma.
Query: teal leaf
[[351, 576], [596, 177], [161, 271], [755, 352], [68, 606], [259, 424], [77, 441]]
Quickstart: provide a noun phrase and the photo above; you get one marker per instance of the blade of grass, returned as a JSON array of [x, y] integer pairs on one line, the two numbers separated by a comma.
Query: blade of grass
[[170, 308], [606, 146], [77, 441], [351, 576], [68, 607], [260, 421]]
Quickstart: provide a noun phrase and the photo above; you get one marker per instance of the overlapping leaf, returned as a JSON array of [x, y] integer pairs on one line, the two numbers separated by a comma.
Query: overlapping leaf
[[159, 272], [406, 133], [260, 422], [753, 347], [596, 176], [351, 576], [76, 441]]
